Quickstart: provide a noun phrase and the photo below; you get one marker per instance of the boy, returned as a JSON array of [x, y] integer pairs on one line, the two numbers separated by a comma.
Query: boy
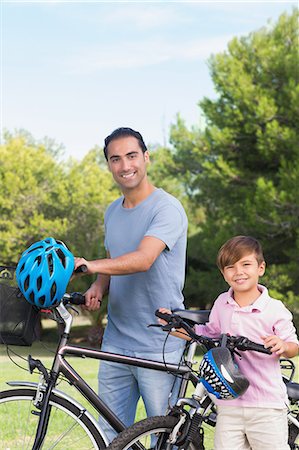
[[256, 420]]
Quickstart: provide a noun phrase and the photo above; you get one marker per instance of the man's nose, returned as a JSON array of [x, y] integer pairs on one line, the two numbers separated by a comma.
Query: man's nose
[[125, 164]]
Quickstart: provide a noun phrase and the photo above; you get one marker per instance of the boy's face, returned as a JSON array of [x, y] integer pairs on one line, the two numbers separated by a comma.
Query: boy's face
[[243, 275]]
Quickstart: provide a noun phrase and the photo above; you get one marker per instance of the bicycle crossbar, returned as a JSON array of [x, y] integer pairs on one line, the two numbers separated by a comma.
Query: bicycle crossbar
[[122, 359]]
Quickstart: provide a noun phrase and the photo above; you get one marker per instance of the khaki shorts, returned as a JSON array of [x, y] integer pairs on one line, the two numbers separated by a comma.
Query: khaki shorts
[[251, 429]]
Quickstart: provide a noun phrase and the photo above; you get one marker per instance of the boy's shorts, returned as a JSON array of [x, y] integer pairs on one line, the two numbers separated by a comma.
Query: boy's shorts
[[247, 428]]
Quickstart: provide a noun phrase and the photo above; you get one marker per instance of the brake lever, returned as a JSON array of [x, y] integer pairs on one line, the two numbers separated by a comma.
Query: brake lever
[[167, 327]]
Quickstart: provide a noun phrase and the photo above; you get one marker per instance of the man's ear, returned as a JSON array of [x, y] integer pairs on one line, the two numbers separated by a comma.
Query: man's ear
[[146, 156]]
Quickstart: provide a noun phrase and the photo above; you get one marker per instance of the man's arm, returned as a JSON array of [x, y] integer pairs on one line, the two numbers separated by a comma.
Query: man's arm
[[138, 261]]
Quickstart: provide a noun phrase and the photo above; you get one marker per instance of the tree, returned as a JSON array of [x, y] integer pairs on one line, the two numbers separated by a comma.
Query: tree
[[243, 169]]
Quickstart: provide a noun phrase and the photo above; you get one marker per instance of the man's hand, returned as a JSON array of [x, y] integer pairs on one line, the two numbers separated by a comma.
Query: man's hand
[[83, 262], [93, 297]]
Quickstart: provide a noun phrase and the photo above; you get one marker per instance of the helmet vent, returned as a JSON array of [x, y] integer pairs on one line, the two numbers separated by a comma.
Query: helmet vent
[[31, 296], [50, 263], [42, 300], [61, 256], [38, 260], [34, 249], [53, 290], [39, 283], [26, 282]]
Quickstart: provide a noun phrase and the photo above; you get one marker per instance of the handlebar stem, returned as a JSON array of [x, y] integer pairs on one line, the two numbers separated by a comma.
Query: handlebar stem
[[66, 317]]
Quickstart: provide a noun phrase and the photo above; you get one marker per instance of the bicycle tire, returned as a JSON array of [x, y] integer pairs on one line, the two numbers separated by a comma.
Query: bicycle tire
[[293, 435], [69, 427], [139, 435]]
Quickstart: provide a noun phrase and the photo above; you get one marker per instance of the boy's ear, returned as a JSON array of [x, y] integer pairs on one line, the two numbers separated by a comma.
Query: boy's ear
[[262, 268]]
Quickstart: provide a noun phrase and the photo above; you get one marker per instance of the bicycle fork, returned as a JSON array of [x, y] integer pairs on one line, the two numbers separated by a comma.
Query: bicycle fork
[[189, 427], [42, 400]]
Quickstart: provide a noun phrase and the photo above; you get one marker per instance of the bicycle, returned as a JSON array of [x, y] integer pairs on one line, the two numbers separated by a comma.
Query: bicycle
[[38, 415], [182, 427]]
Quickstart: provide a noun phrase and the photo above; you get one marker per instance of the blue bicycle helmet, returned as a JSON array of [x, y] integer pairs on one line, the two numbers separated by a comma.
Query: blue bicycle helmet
[[220, 375], [43, 272]]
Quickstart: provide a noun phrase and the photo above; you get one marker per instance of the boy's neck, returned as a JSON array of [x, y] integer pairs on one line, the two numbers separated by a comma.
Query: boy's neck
[[246, 298]]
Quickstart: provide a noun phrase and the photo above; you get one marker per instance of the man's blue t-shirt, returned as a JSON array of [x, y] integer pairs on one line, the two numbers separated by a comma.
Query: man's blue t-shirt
[[134, 298]]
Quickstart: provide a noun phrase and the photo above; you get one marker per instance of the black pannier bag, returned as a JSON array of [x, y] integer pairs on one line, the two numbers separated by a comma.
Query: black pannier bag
[[17, 317]]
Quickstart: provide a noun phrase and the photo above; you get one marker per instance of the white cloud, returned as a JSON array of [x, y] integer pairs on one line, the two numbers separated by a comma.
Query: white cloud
[[144, 53]]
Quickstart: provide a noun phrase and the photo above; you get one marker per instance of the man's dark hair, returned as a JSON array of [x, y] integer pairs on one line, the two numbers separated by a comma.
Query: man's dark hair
[[123, 132]]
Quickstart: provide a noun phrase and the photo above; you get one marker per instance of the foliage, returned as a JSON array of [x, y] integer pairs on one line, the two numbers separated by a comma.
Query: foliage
[[239, 175], [40, 197], [243, 169]]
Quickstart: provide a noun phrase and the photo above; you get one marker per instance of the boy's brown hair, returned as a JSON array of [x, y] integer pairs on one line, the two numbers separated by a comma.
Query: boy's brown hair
[[237, 247]]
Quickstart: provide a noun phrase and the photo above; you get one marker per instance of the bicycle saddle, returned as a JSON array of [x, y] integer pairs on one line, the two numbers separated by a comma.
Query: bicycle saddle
[[193, 316], [293, 390]]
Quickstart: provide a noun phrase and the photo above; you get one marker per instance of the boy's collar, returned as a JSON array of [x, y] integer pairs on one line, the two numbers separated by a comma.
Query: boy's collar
[[258, 305]]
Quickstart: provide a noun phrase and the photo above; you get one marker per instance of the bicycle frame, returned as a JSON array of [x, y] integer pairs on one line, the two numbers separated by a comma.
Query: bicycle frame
[[62, 366]]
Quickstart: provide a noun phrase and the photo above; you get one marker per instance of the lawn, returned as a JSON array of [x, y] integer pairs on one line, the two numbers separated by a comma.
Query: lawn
[[87, 368]]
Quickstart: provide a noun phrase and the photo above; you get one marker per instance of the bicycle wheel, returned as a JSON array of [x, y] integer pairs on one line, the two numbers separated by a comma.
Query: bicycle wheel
[[150, 433], [294, 436], [69, 427]]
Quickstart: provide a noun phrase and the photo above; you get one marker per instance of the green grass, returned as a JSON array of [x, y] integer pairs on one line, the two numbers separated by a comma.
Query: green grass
[[87, 368]]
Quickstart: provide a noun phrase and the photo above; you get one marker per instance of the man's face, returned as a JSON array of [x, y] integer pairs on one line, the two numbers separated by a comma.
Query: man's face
[[127, 162]]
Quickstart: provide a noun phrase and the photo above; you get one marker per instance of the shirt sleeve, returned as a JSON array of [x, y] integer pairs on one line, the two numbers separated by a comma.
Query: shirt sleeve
[[212, 328], [168, 224], [284, 327]]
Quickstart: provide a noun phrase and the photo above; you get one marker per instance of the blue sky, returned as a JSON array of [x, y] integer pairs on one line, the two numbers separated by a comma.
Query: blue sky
[[75, 71]]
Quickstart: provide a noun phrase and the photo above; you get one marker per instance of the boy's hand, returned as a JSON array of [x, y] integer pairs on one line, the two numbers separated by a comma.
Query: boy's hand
[[164, 311], [275, 344]]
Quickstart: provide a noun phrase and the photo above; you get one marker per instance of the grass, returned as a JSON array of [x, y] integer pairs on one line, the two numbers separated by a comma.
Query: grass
[[87, 368]]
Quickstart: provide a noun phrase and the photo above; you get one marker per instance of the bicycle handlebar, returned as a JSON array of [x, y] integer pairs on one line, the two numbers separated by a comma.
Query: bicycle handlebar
[[75, 298], [81, 269], [241, 343]]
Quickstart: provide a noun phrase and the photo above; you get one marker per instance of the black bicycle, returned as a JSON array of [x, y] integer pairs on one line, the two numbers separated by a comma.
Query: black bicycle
[[40, 415], [183, 426]]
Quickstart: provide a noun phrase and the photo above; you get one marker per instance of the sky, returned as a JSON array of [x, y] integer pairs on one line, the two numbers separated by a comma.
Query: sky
[[74, 71]]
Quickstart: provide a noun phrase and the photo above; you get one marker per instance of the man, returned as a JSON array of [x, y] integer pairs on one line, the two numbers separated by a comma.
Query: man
[[145, 239]]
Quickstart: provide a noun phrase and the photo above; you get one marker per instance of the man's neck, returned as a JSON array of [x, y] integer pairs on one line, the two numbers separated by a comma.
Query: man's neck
[[135, 196]]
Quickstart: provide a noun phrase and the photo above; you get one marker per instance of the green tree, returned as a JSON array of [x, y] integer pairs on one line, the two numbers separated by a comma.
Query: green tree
[[243, 169]]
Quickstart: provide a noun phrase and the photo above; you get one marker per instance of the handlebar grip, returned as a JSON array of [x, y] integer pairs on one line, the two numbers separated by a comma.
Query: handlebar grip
[[164, 316], [259, 348], [81, 269], [76, 298], [246, 344]]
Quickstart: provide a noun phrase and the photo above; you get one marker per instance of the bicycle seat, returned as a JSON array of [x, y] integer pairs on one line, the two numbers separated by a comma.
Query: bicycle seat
[[193, 316], [293, 390]]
